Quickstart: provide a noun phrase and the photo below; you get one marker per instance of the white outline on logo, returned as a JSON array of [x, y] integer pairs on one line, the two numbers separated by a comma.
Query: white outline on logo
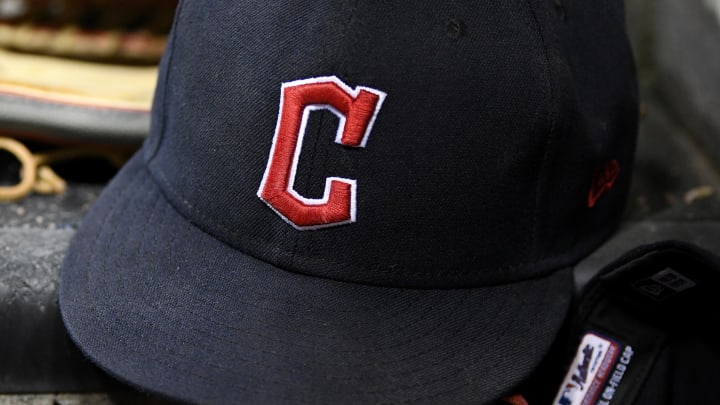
[[338, 139]]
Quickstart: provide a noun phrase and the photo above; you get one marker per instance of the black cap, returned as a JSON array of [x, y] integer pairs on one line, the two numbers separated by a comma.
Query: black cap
[[642, 331], [357, 202]]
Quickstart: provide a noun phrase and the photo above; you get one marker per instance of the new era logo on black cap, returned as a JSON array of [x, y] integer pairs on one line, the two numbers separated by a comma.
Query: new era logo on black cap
[[339, 202]]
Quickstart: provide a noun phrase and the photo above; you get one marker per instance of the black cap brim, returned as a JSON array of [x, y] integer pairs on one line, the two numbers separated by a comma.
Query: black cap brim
[[162, 305]]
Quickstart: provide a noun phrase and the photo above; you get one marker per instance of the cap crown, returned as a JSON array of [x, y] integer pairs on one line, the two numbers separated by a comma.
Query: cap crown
[[451, 143]]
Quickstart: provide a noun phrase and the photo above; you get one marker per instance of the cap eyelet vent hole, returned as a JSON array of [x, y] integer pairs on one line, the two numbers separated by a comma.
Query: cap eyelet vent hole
[[456, 28]]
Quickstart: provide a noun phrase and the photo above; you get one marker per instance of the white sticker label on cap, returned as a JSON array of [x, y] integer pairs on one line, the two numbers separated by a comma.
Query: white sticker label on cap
[[589, 371]]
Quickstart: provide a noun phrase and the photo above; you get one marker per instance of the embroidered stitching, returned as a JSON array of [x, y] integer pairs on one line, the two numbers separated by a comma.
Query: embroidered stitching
[[356, 109], [603, 180]]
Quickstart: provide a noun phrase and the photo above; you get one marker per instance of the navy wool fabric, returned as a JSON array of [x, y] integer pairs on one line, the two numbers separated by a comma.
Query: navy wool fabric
[[471, 208], [174, 310]]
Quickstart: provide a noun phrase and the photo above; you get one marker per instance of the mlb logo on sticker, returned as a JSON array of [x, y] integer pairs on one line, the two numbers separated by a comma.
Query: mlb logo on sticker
[[589, 371]]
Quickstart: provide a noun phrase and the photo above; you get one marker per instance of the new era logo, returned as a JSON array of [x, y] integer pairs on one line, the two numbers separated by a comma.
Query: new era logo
[[603, 181]]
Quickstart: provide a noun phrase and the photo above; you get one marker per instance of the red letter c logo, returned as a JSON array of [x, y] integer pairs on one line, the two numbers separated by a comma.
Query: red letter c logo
[[357, 109]]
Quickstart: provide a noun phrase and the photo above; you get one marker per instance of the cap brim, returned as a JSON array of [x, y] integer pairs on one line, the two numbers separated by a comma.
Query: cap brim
[[162, 305]]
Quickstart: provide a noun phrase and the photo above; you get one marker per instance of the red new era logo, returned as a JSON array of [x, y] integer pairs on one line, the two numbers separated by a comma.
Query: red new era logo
[[356, 109], [603, 181]]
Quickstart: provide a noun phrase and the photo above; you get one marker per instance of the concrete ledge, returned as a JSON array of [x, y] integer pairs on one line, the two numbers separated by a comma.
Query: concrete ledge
[[686, 48]]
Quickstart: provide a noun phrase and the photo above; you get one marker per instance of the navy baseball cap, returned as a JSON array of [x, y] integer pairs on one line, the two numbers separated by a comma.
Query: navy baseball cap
[[357, 202]]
